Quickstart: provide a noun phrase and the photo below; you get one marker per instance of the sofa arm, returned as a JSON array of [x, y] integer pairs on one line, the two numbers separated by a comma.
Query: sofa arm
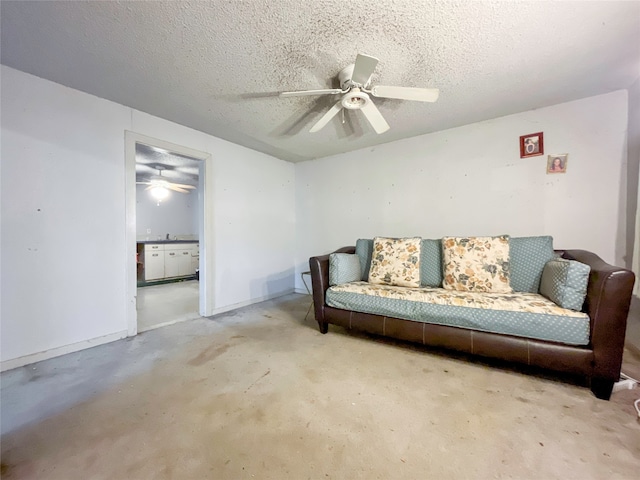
[[319, 267], [607, 304]]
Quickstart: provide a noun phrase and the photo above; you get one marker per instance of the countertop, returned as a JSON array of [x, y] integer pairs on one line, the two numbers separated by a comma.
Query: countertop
[[166, 241]]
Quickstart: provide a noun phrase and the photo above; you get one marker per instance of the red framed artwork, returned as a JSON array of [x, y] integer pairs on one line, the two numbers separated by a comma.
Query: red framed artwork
[[531, 145]]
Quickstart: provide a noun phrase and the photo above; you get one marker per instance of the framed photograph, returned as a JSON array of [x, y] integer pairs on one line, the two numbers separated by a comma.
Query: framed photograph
[[557, 163], [531, 145]]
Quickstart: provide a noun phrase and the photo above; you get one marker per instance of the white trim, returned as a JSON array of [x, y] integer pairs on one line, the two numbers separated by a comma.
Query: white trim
[[246, 303], [130, 226], [207, 248], [56, 352], [302, 291], [206, 235], [635, 263]]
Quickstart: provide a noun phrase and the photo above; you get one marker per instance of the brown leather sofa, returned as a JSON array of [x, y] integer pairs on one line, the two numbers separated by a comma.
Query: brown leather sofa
[[607, 304]]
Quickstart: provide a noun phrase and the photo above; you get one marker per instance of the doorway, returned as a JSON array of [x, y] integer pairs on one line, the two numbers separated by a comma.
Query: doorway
[[169, 233]]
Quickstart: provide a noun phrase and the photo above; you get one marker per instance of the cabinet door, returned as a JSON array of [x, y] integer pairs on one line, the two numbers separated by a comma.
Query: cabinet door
[[172, 263], [195, 256], [185, 262], [153, 265]]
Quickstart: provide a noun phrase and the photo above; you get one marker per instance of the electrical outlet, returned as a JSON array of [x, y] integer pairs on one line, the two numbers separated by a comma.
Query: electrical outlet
[[627, 384]]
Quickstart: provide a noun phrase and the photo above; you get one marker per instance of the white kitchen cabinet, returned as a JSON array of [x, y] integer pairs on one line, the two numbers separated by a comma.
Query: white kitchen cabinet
[[195, 261], [185, 262], [170, 260], [153, 262], [171, 263]]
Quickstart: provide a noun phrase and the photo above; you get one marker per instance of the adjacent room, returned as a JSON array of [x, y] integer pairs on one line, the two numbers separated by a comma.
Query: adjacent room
[[177, 177], [168, 223]]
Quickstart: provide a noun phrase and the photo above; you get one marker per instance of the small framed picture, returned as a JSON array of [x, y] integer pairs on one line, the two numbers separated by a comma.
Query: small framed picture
[[531, 145], [557, 163]]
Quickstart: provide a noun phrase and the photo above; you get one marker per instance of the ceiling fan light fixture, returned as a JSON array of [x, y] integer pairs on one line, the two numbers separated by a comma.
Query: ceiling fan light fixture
[[159, 193], [355, 99]]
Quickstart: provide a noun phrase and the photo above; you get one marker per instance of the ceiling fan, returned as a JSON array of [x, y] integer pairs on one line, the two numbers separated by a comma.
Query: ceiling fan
[[162, 182], [355, 89]]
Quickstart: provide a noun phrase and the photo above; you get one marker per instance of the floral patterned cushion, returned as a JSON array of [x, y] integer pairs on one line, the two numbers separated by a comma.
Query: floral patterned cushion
[[395, 261], [476, 264]]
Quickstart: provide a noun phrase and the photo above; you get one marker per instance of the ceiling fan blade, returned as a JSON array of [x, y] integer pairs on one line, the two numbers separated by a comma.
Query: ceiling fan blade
[[364, 67], [333, 111], [182, 185], [375, 118], [406, 93], [173, 187], [304, 93]]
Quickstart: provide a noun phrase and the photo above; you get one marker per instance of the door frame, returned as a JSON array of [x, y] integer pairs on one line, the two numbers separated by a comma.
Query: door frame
[[205, 234]]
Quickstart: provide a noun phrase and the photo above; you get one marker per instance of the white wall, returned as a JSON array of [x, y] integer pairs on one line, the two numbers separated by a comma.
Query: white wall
[[471, 181], [176, 215], [63, 217]]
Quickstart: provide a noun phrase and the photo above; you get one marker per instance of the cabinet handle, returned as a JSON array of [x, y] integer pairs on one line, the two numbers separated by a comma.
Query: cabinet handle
[[154, 254], [172, 253]]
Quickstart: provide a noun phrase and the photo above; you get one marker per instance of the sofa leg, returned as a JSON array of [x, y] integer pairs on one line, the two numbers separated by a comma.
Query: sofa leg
[[324, 327], [602, 388]]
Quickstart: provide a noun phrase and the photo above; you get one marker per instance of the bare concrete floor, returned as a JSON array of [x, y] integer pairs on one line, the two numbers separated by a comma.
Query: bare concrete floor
[[260, 393]]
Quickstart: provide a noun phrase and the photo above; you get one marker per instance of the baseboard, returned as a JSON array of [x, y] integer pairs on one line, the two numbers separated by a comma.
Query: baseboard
[[302, 291], [56, 352], [235, 306], [74, 347]]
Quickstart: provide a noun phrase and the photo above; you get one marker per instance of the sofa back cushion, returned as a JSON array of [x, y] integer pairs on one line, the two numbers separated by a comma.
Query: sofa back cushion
[[430, 261], [564, 282], [476, 264], [344, 268], [364, 248], [395, 261], [528, 258]]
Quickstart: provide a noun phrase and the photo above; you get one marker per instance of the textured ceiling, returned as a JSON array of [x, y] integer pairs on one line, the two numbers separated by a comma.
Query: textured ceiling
[[152, 162], [216, 66]]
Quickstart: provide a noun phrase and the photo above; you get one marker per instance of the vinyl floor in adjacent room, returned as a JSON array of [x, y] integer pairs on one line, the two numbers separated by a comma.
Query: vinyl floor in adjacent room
[[260, 393], [161, 305]]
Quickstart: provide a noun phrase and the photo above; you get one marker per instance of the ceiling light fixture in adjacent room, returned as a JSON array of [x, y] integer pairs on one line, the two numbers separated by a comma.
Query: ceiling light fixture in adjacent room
[[159, 193]]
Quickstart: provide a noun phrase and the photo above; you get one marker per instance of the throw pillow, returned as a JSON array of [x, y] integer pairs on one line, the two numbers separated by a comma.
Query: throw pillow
[[431, 263], [476, 264], [564, 282], [395, 261], [527, 258], [344, 268]]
